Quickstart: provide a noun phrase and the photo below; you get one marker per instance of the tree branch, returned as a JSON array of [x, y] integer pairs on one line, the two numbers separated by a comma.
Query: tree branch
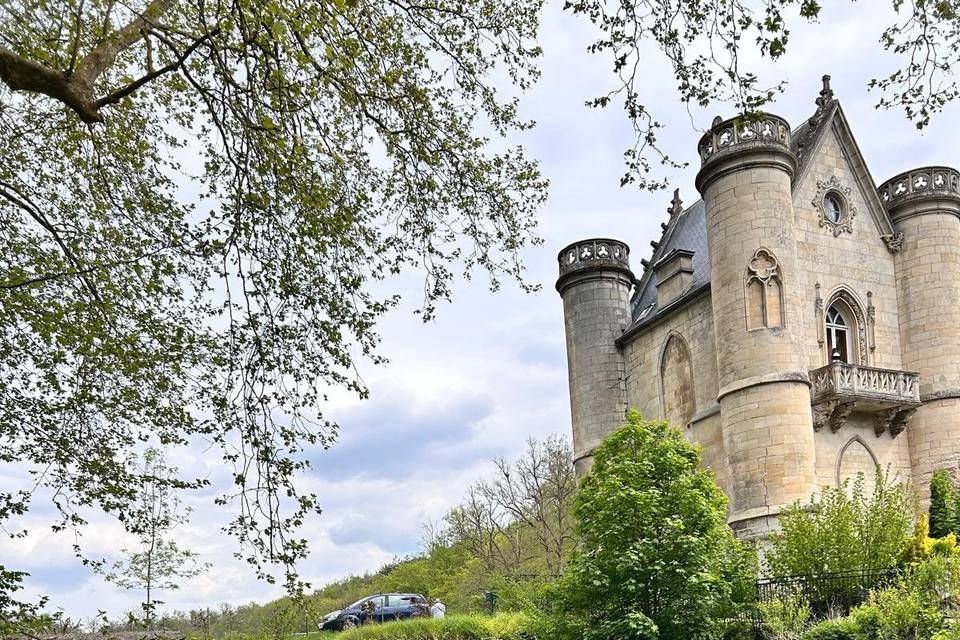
[[120, 94]]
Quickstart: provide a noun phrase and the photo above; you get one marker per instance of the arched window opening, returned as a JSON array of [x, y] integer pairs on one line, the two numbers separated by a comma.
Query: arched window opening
[[677, 390], [764, 292], [839, 346]]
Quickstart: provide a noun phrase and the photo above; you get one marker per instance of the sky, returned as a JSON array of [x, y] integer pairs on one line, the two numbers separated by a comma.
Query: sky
[[490, 371]]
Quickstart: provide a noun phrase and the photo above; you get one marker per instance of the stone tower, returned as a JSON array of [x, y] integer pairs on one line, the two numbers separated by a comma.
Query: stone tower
[[764, 395], [924, 205], [595, 282]]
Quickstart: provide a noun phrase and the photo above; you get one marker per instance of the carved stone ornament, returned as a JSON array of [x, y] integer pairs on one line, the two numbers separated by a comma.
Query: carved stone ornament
[[818, 312], [845, 223], [832, 412], [894, 241], [893, 420]]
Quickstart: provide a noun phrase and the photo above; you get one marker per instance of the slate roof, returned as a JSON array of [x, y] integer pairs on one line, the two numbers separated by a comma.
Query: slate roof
[[688, 230]]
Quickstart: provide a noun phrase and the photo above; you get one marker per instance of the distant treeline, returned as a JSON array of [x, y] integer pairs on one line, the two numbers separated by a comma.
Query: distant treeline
[[509, 535]]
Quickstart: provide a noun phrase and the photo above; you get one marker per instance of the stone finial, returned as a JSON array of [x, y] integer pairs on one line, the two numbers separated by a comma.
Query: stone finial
[[676, 205], [717, 120], [826, 94]]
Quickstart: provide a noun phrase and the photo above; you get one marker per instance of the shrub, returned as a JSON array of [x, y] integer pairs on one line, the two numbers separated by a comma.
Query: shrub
[[899, 612], [785, 619], [844, 529], [655, 559], [833, 629], [504, 626], [943, 507]]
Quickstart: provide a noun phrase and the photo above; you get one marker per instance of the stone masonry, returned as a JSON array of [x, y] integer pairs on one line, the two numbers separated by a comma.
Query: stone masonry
[[798, 322]]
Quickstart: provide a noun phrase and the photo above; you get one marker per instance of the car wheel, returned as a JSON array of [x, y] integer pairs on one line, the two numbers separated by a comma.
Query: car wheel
[[348, 624]]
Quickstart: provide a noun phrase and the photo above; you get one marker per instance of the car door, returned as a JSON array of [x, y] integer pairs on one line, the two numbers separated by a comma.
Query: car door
[[379, 607], [395, 607]]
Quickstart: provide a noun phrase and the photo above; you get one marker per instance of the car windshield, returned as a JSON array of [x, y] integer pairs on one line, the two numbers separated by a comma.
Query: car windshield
[[357, 603]]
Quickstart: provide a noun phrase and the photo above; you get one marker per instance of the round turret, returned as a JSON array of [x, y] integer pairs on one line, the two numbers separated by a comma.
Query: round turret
[[746, 181], [924, 205], [595, 282]]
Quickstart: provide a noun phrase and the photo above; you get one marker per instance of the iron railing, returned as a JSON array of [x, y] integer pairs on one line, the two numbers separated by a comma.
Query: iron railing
[[826, 592]]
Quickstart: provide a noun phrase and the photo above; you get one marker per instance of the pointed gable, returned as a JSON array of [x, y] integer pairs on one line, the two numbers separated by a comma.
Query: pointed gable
[[808, 140]]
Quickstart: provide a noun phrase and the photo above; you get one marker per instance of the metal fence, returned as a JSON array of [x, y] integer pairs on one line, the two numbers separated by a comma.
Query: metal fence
[[830, 592]]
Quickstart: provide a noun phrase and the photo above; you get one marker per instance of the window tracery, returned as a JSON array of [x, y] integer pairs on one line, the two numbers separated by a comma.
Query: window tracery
[[764, 295]]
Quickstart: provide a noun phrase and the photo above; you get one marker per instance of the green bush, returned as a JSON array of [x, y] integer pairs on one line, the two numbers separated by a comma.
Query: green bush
[[943, 507], [847, 528], [833, 629], [899, 612], [656, 559], [785, 619], [504, 626]]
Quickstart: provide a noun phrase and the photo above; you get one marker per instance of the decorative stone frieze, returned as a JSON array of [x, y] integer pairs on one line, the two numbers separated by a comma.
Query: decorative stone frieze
[[920, 182], [738, 144], [738, 132], [919, 191]]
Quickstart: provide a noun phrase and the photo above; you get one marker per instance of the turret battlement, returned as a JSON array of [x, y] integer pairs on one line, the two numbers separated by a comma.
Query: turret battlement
[[902, 194], [760, 140], [592, 254]]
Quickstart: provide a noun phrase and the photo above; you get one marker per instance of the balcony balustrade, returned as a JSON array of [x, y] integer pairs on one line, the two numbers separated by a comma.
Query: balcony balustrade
[[839, 389]]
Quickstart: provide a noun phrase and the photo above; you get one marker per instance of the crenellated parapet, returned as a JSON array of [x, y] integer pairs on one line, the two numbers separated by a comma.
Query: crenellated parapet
[[593, 254], [763, 139], [920, 190]]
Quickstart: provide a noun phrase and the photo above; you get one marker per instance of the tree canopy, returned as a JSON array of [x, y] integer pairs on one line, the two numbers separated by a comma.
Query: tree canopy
[[706, 44], [655, 557], [203, 206]]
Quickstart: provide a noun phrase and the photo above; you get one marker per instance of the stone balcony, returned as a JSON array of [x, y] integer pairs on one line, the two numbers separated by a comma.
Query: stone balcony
[[839, 389]]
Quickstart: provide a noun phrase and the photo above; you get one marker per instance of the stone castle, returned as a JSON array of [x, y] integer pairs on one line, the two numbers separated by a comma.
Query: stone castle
[[799, 322]]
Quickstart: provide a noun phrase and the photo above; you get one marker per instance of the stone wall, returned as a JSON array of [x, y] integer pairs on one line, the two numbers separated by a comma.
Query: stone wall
[[646, 391], [855, 261]]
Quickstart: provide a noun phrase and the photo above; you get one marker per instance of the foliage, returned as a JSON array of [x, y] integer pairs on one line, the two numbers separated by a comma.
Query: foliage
[[204, 206], [951, 632], [846, 528], [785, 619], [705, 45], [504, 626], [921, 547], [943, 504], [160, 563], [535, 492], [449, 568], [18, 617], [897, 612], [655, 558], [833, 629]]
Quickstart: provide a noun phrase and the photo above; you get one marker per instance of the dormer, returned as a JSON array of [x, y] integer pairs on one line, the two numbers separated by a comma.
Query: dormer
[[674, 273]]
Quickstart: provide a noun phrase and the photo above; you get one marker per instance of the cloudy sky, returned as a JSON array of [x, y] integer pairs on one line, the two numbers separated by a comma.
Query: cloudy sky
[[490, 372]]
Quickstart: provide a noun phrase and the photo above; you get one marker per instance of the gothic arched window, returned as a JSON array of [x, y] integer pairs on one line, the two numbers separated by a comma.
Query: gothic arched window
[[764, 296], [839, 328]]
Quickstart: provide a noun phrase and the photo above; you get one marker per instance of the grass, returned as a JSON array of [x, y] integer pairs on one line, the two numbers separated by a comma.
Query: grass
[[503, 626]]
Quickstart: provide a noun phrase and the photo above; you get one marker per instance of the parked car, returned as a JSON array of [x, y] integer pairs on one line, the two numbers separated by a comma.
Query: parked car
[[383, 607]]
